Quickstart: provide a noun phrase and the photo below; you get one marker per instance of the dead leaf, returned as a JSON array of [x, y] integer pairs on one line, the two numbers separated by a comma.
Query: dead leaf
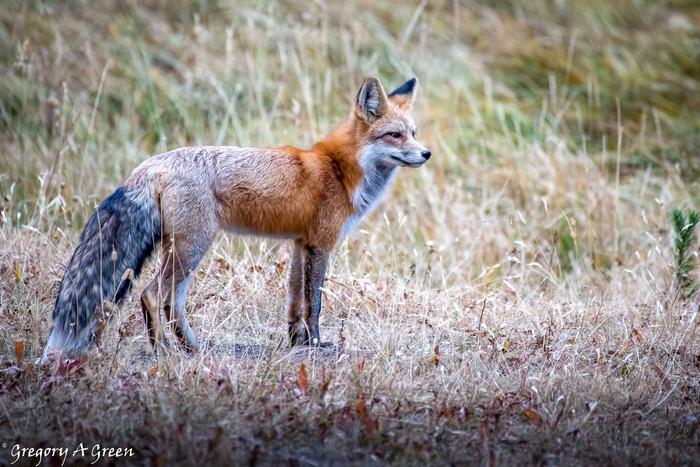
[[215, 439], [223, 264], [327, 378], [303, 380], [486, 442], [19, 351], [625, 346], [363, 412], [662, 375], [19, 272], [534, 417], [637, 335], [436, 356]]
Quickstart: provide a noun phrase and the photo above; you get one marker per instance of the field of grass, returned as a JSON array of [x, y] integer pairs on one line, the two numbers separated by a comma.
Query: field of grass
[[512, 302]]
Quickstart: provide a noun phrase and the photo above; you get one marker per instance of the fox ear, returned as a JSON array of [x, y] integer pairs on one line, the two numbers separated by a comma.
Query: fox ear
[[404, 95], [372, 102]]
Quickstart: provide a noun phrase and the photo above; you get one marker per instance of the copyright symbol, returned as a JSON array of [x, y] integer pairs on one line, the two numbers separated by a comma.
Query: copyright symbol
[[4, 445]]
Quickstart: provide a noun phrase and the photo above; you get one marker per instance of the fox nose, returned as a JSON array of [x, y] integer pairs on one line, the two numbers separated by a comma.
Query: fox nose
[[426, 154]]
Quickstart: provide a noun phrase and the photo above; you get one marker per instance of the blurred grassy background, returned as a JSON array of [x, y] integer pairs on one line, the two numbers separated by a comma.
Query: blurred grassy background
[[523, 275], [588, 109], [90, 89]]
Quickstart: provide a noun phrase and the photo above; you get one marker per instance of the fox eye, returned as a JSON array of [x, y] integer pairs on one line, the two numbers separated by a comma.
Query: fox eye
[[394, 134]]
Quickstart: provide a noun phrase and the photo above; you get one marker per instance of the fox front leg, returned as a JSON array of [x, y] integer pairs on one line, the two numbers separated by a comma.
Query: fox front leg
[[314, 272], [295, 295]]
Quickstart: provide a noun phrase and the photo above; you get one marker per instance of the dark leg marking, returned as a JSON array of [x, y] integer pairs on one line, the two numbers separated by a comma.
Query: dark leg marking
[[314, 272]]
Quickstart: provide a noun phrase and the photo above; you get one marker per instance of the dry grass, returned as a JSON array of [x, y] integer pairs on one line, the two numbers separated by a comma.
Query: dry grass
[[511, 302]]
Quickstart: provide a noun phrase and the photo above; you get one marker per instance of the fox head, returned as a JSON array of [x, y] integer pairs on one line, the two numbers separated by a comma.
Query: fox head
[[388, 131]]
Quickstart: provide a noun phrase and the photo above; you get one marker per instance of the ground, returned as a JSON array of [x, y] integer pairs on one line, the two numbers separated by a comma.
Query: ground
[[513, 302]]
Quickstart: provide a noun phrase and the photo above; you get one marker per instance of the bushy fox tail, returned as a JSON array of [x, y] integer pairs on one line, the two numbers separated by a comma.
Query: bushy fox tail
[[117, 240]]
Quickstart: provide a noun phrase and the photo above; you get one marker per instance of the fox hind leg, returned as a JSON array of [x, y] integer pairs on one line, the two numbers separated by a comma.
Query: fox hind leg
[[182, 256], [168, 289], [182, 328], [151, 316]]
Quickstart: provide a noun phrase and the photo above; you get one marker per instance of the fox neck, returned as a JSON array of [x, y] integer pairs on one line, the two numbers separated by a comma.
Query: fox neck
[[364, 179], [375, 180]]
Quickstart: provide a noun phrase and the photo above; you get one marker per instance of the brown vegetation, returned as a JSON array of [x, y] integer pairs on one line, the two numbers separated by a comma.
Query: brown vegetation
[[511, 302]]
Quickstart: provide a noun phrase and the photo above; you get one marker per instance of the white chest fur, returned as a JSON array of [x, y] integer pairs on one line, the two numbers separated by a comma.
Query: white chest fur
[[376, 178]]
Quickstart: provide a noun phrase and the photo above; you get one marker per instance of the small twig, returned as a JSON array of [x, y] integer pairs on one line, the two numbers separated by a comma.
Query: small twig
[[481, 316]]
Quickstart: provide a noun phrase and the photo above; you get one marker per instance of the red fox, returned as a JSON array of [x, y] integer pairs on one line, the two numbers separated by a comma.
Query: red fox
[[183, 197]]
